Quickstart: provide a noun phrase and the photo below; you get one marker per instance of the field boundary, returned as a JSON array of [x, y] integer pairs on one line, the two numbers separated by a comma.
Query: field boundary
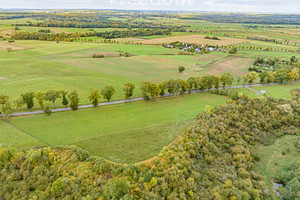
[[25, 132], [142, 98]]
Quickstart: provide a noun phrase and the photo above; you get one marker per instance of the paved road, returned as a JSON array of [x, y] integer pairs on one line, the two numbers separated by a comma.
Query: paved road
[[140, 99]]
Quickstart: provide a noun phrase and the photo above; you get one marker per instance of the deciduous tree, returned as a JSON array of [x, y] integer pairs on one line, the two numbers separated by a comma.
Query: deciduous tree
[[94, 97], [52, 95], [107, 92]]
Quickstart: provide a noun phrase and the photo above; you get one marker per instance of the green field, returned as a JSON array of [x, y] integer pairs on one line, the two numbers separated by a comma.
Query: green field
[[129, 132], [276, 91], [273, 163]]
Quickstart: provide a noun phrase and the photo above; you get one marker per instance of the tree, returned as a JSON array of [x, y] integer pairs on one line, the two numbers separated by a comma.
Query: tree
[[94, 97], [227, 79], [294, 74], [192, 83], [3, 99], [107, 92], [252, 76], [171, 86], [217, 81], [145, 89], [282, 75], [162, 87], [40, 96], [182, 86], [181, 69], [65, 101], [19, 102], [52, 95], [270, 78], [263, 77], [128, 90], [74, 100], [6, 110], [153, 91], [28, 99], [245, 79]]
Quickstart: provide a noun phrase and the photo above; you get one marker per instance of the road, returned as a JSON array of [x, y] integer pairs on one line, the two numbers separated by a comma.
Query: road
[[141, 98]]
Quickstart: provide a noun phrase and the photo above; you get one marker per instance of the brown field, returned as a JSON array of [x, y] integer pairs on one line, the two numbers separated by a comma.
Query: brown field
[[6, 32], [233, 64], [5, 45], [195, 39]]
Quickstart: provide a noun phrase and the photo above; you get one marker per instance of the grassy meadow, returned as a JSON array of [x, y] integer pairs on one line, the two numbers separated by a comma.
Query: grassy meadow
[[274, 162], [119, 132]]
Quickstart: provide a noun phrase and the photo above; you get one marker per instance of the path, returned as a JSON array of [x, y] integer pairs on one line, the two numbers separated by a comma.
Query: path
[[141, 98]]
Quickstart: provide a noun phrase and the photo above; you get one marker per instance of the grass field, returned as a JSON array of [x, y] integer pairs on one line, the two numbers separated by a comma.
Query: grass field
[[129, 132], [276, 91], [49, 65], [273, 163]]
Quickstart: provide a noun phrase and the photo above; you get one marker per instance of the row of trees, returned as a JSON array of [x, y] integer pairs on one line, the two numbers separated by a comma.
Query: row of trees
[[23, 35], [148, 89]]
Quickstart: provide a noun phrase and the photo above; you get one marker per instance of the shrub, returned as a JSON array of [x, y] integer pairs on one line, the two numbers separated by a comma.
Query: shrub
[[47, 110], [181, 69]]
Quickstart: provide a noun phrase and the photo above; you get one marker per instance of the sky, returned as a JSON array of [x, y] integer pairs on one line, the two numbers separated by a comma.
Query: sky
[[255, 6]]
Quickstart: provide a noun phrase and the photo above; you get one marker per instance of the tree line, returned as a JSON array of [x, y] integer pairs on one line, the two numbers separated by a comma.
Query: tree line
[[42, 35], [149, 90]]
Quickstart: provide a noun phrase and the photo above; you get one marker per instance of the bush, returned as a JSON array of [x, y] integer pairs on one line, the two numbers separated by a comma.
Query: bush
[[181, 69], [47, 110]]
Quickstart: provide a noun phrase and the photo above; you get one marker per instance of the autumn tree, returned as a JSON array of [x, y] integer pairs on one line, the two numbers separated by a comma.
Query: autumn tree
[[294, 74], [153, 91], [107, 92], [252, 76], [94, 97], [162, 88], [128, 90], [40, 97], [227, 79], [52, 95], [3, 99], [171, 86], [6, 110], [282, 75]]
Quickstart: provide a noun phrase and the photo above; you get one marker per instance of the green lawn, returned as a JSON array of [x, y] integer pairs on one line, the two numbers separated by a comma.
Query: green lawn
[[277, 91], [273, 163], [129, 132]]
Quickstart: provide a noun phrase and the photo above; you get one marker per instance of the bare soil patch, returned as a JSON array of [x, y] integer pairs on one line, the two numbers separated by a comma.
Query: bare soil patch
[[5, 45], [232, 64], [199, 39]]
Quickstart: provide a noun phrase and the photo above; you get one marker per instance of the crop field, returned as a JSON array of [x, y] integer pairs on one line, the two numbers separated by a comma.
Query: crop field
[[138, 130], [199, 39]]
